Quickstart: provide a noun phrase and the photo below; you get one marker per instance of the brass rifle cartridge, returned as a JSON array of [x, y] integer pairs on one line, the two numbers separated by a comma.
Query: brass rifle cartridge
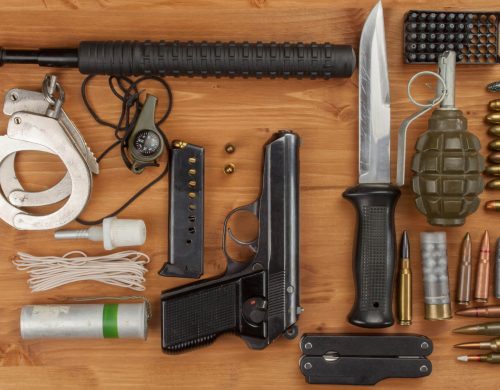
[[465, 272], [483, 270], [404, 283]]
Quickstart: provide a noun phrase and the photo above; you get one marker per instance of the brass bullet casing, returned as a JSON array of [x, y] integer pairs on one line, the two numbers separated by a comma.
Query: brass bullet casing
[[404, 283], [229, 169], [494, 158], [492, 170], [483, 270], [493, 184], [484, 311], [179, 144], [493, 358], [494, 105], [229, 148], [465, 272], [486, 329], [492, 205], [494, 131], [493, 118], [495, 144], [435, 275], [497, 271], [491, 345]]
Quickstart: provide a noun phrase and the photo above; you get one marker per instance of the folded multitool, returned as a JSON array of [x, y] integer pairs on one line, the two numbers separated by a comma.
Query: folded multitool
[[363, 359]]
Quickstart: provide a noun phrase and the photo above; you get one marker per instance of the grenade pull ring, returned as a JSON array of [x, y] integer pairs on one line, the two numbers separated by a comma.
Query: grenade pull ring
[[441, 92]]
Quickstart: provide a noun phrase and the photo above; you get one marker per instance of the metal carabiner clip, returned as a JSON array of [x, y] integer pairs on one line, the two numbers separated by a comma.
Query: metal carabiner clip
[[441, 92]]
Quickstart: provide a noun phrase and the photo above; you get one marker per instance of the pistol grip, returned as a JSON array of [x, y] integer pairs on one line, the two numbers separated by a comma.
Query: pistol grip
[[196, 314]]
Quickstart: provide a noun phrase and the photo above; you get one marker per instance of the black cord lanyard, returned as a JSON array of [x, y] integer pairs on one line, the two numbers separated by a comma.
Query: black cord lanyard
[[127, 91]]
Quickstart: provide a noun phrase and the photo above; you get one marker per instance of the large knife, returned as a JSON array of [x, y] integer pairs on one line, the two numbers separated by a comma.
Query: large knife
[[374, 198]]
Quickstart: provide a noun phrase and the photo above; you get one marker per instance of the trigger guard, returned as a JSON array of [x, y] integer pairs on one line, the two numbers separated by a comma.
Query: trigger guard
[[250, 244], [233, 264]]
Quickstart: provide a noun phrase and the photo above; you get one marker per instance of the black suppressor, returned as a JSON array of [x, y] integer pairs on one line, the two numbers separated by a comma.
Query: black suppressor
[[127, 58]]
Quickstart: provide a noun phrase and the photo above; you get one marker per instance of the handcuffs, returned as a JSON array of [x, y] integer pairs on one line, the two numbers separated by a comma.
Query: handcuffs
[[38, 123]]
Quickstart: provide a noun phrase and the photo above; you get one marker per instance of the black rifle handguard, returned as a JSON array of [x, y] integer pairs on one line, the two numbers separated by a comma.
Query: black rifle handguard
[[127, 58], [216, 59]]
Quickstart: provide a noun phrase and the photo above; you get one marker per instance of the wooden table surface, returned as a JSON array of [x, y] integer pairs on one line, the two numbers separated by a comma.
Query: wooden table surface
[[212, 112]]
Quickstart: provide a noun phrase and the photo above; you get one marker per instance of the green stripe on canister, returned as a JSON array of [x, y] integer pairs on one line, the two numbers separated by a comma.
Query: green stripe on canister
[[110, 321]]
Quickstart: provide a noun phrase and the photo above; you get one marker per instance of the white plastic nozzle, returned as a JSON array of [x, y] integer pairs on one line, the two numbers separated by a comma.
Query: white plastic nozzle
[[114, 233]]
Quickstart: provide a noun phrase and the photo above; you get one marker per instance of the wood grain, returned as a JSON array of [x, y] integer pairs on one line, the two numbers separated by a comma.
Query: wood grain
[[211, 113]]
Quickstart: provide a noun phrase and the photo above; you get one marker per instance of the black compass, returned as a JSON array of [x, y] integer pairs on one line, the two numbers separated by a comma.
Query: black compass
[[147, 143]]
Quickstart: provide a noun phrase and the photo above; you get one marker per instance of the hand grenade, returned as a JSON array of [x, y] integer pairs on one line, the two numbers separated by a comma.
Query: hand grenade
[[447, 165]]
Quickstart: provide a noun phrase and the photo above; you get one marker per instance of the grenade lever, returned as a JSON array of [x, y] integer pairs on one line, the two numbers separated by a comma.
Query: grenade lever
[[444, 95]]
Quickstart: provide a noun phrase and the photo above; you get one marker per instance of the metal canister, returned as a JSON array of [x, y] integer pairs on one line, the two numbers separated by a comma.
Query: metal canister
[[97, 321], [435, 274]]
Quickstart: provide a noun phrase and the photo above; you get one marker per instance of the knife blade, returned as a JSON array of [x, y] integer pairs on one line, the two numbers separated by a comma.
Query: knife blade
[[374, 198], [374, 102]]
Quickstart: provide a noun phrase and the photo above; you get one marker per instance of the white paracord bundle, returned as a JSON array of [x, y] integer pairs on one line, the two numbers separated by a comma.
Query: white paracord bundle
[[121, 269]]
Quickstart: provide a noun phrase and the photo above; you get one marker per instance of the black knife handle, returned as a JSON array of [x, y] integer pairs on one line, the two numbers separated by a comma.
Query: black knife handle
[[374, 253]]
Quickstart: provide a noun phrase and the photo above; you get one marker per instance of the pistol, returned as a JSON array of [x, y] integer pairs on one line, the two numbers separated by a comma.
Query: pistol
[[258, 299]]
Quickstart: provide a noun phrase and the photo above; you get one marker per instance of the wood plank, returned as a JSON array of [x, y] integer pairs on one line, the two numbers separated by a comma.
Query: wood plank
[[212, 112]]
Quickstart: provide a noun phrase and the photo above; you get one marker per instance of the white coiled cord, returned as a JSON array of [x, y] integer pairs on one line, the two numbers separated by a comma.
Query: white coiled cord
[[120, 269]]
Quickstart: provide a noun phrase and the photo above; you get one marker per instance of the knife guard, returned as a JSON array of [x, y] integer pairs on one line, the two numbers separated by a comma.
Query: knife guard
[[374, 254]]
